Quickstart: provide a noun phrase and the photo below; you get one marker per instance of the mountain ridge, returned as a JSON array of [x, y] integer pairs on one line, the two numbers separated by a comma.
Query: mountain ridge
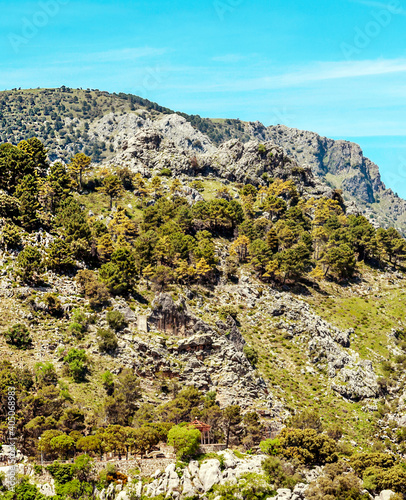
[[99, 124]]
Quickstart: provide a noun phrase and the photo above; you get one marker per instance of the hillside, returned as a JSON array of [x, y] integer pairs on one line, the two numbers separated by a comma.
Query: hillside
[[99, 124], [179, 280]]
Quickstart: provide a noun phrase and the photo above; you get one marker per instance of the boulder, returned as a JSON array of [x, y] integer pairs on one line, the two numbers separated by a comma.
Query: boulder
[[210, 473]]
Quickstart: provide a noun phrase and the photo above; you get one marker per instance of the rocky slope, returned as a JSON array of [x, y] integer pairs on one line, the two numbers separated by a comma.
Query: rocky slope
[[110, 126]]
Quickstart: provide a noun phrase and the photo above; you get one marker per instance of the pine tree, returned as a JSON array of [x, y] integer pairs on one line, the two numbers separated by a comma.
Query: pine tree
[[36, 150], [29, 265], [78, 165], [27, 193], [111, 187]]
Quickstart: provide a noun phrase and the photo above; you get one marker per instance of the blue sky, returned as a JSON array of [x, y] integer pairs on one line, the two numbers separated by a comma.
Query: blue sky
[[335, 67]]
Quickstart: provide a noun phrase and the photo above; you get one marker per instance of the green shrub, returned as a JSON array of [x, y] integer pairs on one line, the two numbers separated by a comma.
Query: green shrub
[[79, 324], [251, 354], [54, 305], [62, 473], [29, 265], [107, 340], [362, 461], [45, 374], [307, 419], [18, 336], [337, 483], [11, 236], [93, 289], [279, 473], [270, 446], [225, 311], [185, 440], [307, 446], [116, 320], [166, 172], [76, 360], [37, 469]]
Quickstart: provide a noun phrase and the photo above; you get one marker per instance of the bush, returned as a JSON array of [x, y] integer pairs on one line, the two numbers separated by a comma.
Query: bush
[[362, 461], [107, 340], [116, 320], [45, 374], [270, 446], [54, 305], [76, 360], [250, 486], [185, 440], [279, 473], [165, 172], [307, 446], [11, 236], [251, 354], [308, 419], [225, 311], [337, 483], [18, 336], [29, 265], [95, 291], [62, 473], [79, 324]]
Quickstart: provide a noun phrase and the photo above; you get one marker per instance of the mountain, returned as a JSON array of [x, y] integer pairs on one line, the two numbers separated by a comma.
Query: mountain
[[100, 124], [199, 271]]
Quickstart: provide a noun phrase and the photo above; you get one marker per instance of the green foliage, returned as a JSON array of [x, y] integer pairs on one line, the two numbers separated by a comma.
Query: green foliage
[[108, 382], [18, 336], [166, 172], [119, 274], [270, 446], [307, 419], [72, 223], [185, 440], [29, 265], [307, 446], [62, 473], [27, 194], [362, 461], [93, 289], [78, 326], [76, 360], [338, 483], [59, 256], [225, 311], [122, 404], [111, 187], [250, 486], [15, 164], [45, 374], [279, 473], [107, 340], [24, 491], [251, 354], [116, 320], [9, 206], [10, 236]]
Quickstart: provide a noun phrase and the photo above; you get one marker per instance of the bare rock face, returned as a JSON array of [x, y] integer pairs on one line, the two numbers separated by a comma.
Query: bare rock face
[[356, 175], [171, 317], [328, 347], [207, 357]]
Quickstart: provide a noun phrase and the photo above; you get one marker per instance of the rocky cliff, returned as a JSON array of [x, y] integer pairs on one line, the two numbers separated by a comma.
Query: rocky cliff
[[127, 129]]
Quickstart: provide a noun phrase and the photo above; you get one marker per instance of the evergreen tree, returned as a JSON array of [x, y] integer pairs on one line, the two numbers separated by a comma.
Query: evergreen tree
[[79, 164], [111, 187], [29, 265], [27, 194]]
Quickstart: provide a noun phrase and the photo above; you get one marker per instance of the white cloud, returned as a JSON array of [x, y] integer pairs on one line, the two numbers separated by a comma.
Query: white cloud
[[312, 73]]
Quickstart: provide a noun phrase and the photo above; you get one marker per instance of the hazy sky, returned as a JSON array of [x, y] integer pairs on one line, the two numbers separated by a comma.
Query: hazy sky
[[334, 67]]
